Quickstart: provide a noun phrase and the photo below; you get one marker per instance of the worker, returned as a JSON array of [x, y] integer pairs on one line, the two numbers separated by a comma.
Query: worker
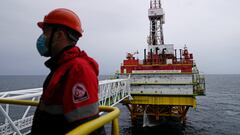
[[70, 91]]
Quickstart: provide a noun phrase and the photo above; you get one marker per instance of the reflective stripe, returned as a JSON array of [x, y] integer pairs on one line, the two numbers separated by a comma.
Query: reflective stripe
[[52, 109], [82, 112]]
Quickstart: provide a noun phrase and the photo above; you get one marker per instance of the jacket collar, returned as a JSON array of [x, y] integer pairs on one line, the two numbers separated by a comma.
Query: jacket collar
[[66, 54], [69, 53]]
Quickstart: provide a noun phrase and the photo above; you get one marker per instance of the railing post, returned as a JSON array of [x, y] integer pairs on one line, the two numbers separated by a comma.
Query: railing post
[[115, 127], [7, 112]]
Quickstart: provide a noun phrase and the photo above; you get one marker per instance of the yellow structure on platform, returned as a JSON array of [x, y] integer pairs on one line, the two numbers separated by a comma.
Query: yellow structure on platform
[[164, 100]]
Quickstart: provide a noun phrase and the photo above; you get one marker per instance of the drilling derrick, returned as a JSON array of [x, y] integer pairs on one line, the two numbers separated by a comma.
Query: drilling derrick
[[156, 17]]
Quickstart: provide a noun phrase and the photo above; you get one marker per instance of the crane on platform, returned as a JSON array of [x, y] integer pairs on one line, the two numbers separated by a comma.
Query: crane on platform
[[131, 55]]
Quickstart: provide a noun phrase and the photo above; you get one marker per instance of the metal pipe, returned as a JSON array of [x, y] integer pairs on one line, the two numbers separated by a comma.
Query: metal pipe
[[159, 56], [156, 55], [115, 127], [150, 4], [180, 53], [7, 111], [18, 102], [25, 96], [151, 56], [21, 91], [175, 53], [163, 56], [144, 61]]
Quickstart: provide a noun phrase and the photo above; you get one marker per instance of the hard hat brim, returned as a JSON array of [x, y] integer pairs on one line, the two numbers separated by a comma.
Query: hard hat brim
[[40, 24]]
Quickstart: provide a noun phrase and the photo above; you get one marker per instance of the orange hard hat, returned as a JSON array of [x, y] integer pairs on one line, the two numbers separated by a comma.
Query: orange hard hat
[[65, 17]]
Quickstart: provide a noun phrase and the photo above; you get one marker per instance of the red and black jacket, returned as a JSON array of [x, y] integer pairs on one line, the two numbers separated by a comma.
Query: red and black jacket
[[70, 93]]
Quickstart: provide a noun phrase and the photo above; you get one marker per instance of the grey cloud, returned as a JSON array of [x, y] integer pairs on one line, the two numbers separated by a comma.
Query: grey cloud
[[112, 28]]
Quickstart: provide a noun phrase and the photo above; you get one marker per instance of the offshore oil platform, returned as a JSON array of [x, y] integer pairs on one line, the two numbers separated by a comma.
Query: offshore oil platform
[[164, 84]]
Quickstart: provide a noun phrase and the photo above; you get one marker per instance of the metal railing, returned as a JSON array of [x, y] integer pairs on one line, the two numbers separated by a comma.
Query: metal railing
[[12, 125], [87, 127], [111, 92], [91, 126]]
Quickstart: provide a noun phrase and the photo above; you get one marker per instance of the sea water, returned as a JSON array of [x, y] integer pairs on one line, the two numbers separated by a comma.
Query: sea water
[[217, 113]]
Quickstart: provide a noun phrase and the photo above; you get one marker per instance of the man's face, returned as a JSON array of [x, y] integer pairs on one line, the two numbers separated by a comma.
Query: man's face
[[55, 38], [47, 32]]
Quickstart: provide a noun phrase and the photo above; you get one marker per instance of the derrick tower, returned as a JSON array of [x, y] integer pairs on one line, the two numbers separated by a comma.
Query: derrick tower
[[157, 19]]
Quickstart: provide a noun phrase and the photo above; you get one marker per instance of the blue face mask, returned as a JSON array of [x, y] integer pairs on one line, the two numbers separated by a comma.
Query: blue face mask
[[41, 46]]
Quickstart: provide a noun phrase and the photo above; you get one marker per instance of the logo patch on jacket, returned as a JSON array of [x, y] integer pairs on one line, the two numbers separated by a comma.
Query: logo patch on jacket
[[79, 93]]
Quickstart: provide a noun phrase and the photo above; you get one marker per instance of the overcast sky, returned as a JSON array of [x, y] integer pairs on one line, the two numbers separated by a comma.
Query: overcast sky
[[209, 28]]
